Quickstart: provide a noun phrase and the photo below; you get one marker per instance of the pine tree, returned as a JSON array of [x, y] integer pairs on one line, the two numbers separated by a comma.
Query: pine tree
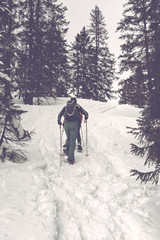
[[81, 51], [102, 66], [135, 57], [148, 130], [132, 90], [56, 51], [43, 64], [8, 39], [12, 134], [11, 131], [25, 52]]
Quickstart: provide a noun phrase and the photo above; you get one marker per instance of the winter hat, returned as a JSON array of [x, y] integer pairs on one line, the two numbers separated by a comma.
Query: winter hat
[[74, 99]]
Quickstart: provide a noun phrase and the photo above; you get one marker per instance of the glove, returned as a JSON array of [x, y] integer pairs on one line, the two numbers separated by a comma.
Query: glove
[[86, 117], [59, 122]]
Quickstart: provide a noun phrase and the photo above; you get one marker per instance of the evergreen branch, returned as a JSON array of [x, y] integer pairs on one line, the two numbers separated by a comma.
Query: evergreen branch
[[134, 131], [17, 156], [137, 134], [152, 176], [137, 150], [3, 133]]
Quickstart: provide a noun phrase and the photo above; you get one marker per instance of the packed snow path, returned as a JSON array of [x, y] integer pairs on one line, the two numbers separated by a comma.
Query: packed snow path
[[95, 199]]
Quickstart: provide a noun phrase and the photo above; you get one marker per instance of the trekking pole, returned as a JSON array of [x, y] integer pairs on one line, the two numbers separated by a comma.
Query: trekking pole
[[62, 131], [86, 140], [60, 139], [82, 136]]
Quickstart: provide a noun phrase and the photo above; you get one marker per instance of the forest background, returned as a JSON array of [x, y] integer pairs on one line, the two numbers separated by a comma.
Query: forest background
[[37, 61]]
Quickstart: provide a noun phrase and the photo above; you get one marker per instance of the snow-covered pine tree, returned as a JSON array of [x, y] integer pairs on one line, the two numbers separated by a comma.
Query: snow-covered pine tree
[[102, 67], [147, 14], [11, 131]]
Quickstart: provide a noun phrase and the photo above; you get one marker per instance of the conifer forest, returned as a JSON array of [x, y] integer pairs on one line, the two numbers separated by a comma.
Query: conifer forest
[[37, 61]]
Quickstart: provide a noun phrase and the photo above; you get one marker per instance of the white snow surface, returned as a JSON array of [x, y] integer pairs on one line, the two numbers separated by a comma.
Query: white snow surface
[[45, 198]]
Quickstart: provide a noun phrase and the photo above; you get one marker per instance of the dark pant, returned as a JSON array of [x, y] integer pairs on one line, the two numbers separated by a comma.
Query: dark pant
[[71, 129]]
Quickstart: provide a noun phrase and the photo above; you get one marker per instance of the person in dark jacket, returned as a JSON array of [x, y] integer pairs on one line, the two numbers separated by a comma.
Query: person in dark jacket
[[71, 125]]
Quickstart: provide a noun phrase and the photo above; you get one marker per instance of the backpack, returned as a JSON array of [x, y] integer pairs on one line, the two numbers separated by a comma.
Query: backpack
[[71, 111]]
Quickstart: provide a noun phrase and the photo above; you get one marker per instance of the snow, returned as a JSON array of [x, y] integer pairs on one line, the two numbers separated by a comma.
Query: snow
[[18, 127], [5, 76], [45, 198]]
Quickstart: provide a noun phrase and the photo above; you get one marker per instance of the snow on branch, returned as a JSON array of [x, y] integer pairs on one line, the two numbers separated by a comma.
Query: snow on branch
[[12, 133], [5, 76], [7, 152], [18, 127]]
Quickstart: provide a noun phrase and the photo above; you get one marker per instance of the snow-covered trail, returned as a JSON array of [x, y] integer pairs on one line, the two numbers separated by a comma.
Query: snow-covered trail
[[94, 199]]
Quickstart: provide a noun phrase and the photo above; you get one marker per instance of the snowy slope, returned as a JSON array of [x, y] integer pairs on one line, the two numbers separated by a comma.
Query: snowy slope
[[95, 199]]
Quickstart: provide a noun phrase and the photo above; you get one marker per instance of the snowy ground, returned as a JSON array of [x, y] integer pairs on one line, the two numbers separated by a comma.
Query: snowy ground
[[95, 199]]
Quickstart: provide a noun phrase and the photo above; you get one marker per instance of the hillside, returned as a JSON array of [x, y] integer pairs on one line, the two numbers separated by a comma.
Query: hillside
[[95, 199]]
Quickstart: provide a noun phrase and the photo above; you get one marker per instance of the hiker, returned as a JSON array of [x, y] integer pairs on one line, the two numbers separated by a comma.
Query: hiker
[[71, 112], [79, 147]]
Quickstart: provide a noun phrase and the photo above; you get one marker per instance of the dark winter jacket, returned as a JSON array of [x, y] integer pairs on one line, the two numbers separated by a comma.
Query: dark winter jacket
[[80, 110]]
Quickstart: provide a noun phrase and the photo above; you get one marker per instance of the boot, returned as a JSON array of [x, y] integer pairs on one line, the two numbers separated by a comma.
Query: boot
[[79, 148], [65, 150], [71, 162]]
